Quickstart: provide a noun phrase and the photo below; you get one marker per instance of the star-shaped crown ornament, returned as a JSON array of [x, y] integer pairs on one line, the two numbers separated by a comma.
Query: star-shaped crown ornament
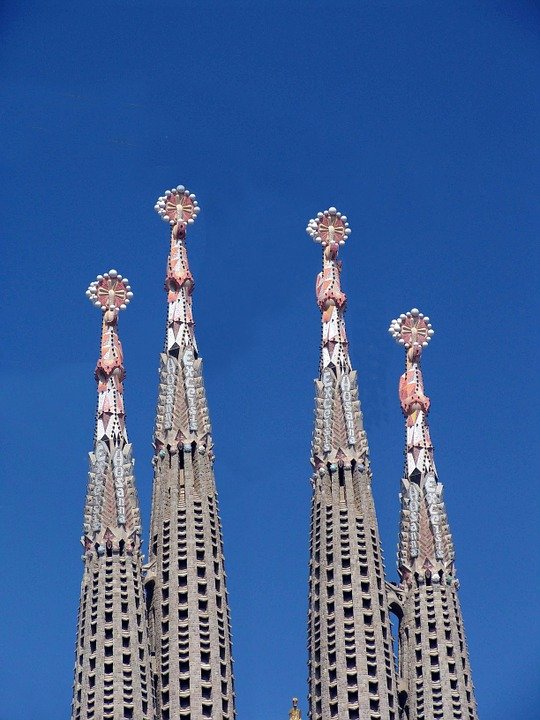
[[177, 205], [110, 291], [411, 329], [329, 227]]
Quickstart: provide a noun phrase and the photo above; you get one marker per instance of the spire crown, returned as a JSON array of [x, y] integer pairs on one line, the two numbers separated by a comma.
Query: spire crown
[[177, 206], [295, 713], [110, 293], [329, 228], [413, 331]]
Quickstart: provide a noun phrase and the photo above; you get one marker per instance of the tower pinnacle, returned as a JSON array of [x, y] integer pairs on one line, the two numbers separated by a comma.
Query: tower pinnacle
[[338, 436], [186, 584], [330, 228], [351, 673], [432, 642], [295, 713], [179, 208], [425, 541], [112, 671], [110, 293]]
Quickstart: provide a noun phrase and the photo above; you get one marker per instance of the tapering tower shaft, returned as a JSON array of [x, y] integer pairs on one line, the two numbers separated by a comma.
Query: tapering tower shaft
[[186, 582], [112, 668], [433, 658], [351, 664]]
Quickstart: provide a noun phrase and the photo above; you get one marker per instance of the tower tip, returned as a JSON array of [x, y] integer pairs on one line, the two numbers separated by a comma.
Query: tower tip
[[110, 291], [412, 329], [177, 205], [294, 712], [329, 227]]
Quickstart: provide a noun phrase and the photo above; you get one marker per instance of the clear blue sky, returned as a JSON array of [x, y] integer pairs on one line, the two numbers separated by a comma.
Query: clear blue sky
[[420, 121]]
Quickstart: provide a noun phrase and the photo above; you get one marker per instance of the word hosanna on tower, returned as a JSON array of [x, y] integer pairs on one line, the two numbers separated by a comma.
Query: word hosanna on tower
[[154, 640]]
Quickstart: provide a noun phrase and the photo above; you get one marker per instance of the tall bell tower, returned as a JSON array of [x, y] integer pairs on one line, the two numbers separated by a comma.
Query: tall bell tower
[[188, 609], [351, 664], [433, 658], [112, 664]]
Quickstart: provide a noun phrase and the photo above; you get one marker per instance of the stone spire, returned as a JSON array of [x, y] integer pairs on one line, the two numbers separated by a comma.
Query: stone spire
[[112, 668], [187, 599], [351, 664], [433, 659]]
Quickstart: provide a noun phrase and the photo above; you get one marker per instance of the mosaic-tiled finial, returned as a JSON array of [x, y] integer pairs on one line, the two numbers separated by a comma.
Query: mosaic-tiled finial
[[110, 292], [177, 206], [412, 330], [330, 228]]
